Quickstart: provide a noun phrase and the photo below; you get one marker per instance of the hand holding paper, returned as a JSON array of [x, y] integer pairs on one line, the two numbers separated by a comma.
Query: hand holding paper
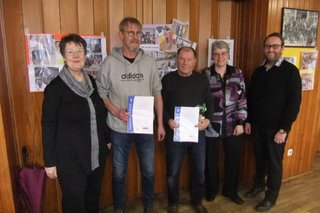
[[140, 109], [187, 119], [203, 123]]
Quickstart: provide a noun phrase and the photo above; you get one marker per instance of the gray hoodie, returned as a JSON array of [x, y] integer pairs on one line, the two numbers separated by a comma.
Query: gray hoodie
[[118, 79]]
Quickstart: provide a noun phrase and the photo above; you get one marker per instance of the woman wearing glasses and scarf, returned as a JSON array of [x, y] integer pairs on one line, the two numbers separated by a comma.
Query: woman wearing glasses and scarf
[[74, 130]]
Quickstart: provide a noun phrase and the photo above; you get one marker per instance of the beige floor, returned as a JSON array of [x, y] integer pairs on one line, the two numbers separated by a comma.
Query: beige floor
[[298, 195]]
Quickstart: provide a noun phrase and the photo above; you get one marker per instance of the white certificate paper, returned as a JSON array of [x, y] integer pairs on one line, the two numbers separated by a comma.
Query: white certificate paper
[[187, 118], [140, 109]]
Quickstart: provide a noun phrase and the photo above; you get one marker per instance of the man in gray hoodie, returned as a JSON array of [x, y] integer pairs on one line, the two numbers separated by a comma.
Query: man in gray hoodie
[[129, 71]]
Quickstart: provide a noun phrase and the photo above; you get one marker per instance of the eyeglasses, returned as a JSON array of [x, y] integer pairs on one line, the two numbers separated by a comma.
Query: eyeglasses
[[273, 46], [132, 33], [223, 54], [74, 52]]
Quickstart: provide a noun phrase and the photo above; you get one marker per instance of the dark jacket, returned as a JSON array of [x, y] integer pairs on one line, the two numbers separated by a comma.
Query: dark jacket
[[185, 91], [66, 134], [274, 96]]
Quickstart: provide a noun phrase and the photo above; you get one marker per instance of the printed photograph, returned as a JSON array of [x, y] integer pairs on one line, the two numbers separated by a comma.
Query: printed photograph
[[309, 60], [299, 27], [180, 28], [307, 78]]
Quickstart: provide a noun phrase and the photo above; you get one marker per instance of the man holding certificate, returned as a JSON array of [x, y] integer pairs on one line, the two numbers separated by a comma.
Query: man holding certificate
[[129, 73], [183, 92]]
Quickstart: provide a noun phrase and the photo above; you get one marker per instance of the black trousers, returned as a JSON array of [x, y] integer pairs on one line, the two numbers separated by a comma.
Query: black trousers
[[81, 192], [232, 153], [269, 156]]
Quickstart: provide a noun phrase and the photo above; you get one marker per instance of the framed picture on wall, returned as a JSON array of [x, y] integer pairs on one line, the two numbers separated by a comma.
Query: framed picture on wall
[[299, 27]]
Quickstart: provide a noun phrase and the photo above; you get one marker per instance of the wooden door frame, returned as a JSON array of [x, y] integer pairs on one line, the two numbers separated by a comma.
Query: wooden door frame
[[6, 188]]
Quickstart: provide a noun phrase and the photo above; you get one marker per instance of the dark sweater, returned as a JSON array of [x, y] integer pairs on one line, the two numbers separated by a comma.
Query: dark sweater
[[274, 96], [185, 91], [66, 134]]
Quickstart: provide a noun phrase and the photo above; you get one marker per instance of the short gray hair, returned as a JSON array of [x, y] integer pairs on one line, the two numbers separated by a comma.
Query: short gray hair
[[220, 45], [129, 20]]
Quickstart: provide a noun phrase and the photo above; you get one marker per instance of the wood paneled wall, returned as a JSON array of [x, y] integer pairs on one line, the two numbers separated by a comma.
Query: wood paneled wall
[[250, 22], [6, 193]]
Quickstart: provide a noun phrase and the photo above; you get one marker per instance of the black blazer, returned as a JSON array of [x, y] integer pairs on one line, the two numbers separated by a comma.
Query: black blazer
[[66, 135]]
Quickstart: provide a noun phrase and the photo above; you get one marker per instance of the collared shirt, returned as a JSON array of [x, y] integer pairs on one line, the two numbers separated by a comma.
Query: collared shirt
[[278, 63]]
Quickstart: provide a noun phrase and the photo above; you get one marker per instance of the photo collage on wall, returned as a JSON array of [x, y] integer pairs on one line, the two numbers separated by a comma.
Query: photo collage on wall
[[162, 41], [307, 66], [45, 61], [299, 29], [307, 69]]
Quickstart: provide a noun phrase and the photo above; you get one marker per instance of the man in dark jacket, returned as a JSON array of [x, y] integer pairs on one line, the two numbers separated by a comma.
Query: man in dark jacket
[[274, 99], [185, 88]]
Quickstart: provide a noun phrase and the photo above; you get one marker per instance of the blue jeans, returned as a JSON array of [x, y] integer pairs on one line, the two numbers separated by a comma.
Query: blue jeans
[[121, 145], [175, 155]]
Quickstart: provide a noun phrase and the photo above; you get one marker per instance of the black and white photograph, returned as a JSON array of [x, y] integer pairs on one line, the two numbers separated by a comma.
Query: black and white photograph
[[299, 27], [93, 45], [40, 76], [41, 49]]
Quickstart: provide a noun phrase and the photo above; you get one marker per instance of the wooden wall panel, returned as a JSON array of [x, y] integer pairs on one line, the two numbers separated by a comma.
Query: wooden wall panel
[[6, 148], [130, 8], [32, 14], [159, 11], [101, 12], [139, 10], [6, 193], [147, 11], [215, 19], [171, 10], [183, 10], [116, 13], [69, 16], [51, 19], [203, 27], [85, 17]]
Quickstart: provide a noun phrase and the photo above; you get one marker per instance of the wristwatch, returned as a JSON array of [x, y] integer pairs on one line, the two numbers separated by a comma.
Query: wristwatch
[[282, 131]]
